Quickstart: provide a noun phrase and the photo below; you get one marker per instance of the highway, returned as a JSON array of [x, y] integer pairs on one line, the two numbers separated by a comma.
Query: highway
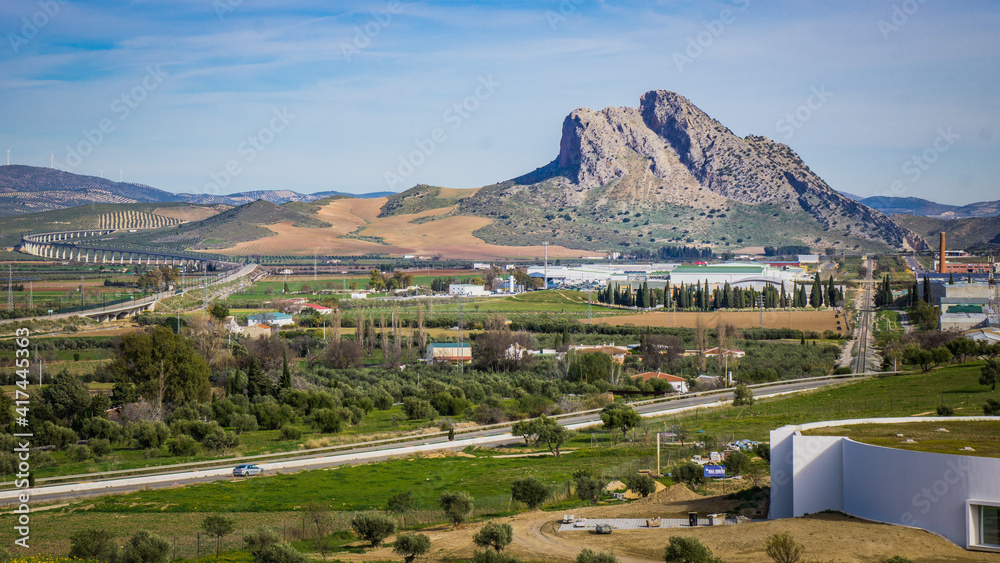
[[296, 461]]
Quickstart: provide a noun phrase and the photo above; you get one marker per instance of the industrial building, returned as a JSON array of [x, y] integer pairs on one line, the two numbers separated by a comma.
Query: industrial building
[[273, 319], [743, 275], [449, 352]]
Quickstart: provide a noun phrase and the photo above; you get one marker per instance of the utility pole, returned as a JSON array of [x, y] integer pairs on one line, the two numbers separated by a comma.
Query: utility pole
[[314, 267], [81, 291], [10, 286], [461, 354], [589, 299], [31, 295]]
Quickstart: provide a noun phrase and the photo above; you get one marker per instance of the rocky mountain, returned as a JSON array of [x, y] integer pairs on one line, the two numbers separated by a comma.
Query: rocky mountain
[[925, 208], [28, 189], [667, 172]]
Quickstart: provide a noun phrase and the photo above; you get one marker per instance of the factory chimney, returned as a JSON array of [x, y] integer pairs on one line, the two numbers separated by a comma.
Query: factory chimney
[[941, 264]]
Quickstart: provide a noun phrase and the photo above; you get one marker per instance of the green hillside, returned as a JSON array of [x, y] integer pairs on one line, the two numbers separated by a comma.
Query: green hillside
[[973, 232], [240, 224]]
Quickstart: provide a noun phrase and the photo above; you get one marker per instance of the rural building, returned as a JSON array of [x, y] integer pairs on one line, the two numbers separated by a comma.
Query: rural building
[[250, 331], [954, 496], [808, 258], [713, 352], [449, 352], [961, 321], [318, 308], [273, 319], [468, 290], [617, 353], [679, 384]]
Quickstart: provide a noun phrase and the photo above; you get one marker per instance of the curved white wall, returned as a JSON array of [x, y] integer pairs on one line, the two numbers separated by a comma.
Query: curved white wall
[[918, 489]]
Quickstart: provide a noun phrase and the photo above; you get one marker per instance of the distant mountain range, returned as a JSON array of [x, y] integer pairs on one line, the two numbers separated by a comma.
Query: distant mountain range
[[29, 189], [925, 208]]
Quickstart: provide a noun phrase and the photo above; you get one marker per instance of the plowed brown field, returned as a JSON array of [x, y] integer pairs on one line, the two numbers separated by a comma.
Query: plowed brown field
[[802, 320], [445, 237]]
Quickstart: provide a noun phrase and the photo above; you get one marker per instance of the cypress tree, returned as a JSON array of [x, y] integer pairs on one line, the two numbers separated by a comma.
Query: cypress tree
[[816, 295], [927, 290]]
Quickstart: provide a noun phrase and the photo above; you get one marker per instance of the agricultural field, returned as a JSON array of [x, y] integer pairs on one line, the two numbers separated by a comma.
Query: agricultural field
[[816, 321]]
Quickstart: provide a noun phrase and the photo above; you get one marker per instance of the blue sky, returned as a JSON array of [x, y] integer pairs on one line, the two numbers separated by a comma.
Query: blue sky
[[878, 97]]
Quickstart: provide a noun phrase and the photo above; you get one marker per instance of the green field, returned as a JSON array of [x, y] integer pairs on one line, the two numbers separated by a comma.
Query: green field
[[944, 437]]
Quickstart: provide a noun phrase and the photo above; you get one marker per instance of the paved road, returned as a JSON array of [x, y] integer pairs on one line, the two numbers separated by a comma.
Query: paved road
[[487, 437]]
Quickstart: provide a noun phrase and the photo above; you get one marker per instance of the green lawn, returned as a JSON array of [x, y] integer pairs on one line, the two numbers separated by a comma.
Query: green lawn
[[944, 437], [904, 395]]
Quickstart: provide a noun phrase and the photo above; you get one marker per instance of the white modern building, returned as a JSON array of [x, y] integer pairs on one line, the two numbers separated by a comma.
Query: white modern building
[[954, 496], [468, 290], [272, 319]]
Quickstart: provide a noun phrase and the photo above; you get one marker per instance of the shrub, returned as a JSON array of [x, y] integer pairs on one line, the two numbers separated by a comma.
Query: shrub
[[763, 451], [417, 409], [588, 556], [588, 488], [688, 472], [456, 506], [327, 421], [280, 553], [99, 446], [78, 453], [781, 548], [145, 547], [373, 527], [243, 423], [410, 546], [182, 446], [688, 550], [93, 544], [529, 490], [898, 559], [257, 540], [289, 432], [641, 484], [992, 407], [743, 396], [493, 557], [495, 535], [945, 410]]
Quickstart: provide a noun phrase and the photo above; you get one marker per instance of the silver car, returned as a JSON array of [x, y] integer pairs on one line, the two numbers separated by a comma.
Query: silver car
[[247, 470]]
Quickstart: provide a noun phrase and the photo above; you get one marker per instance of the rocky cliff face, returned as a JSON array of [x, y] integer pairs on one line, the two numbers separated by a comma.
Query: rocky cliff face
[[669, 153]]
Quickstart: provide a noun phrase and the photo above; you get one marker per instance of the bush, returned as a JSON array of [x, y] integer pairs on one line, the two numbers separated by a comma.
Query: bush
[[493, 557], [289, 432], [145, 547], [688, 472], [688, 550], [182, 446], [327, 421], [763, 451], [78, 453], [418, 409], [641, 484], [281, 553], [992, 407], [373, 527], [588, 556], [243, 423], [529, 490], [257, 540], [781, 548], [410, 546], [588, 488], [495, 535], [898, 559], [93, 544], [456, 506], [945, 410], [99, 446], [743, 396]]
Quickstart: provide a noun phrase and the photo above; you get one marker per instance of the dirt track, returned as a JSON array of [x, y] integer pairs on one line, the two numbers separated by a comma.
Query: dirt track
[[803, 320], [826, 537]]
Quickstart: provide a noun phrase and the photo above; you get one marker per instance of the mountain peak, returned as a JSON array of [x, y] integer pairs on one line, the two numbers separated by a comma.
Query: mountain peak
[[668, 153]]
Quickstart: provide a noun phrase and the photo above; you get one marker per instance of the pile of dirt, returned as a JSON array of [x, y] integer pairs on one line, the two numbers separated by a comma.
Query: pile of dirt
[[673, 494]]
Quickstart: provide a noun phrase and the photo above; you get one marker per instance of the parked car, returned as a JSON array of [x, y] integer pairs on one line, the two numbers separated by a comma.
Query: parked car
[[247, 470], [603, 529]]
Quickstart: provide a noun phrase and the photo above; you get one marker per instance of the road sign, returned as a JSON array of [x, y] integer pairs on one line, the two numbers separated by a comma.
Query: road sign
[[714, 471]]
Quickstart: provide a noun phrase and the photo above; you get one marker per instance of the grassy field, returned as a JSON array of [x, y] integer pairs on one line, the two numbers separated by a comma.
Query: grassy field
[[903, 395], [944, 437]]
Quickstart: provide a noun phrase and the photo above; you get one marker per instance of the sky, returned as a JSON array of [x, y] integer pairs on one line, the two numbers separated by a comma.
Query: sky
[[217, 96]]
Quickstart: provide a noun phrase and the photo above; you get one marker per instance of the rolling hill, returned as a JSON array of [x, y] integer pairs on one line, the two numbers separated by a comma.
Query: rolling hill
[[968, 233], [28, 189], [925, 208]]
